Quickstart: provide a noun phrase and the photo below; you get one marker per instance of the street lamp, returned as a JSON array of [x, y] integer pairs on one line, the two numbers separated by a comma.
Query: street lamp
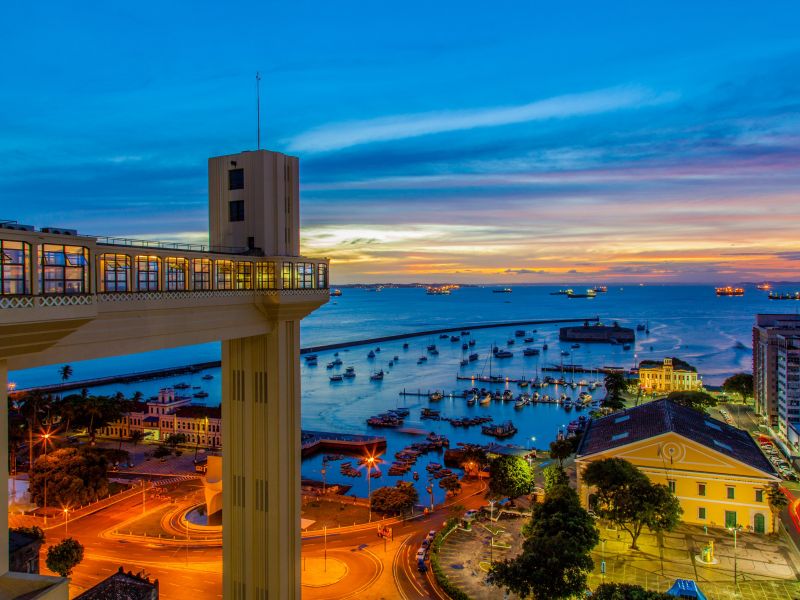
[[370, 462], [735, 530], [45, 439], [66, 521]]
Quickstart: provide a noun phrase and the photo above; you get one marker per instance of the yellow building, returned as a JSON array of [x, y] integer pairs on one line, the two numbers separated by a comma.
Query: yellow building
[[717, 471], [667, 378]]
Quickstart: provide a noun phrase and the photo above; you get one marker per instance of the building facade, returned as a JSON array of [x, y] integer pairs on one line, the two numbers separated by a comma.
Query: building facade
[[169, 414], [716, 471], [788, 383], [766, 333], [666, 378]]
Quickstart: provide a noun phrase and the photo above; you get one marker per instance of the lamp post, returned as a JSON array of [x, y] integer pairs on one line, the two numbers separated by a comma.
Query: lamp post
[[45, 439], [735, 530], [323, 480], [66, 522], [370, 462]]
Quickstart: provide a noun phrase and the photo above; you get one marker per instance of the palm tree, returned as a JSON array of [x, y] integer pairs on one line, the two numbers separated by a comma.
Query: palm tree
[[777, 502], [65, 372], [136, 437]]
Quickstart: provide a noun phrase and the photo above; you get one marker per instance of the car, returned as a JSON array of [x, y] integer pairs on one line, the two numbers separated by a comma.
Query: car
[[471, 513], [421, 553], [421, 566]]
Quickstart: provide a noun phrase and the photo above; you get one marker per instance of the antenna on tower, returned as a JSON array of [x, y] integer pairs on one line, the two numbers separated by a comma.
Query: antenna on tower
[[258, 110]]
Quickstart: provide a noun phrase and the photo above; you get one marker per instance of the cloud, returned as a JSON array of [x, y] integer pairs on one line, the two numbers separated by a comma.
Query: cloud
[[525, 271], [336, 136]]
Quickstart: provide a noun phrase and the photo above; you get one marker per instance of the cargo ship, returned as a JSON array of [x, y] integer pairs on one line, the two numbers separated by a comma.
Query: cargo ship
[[764, 286], [730, 291], [502, 291], [786, 296]]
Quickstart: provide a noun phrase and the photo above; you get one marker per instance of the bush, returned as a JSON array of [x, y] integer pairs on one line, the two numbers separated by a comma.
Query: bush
[[449, 588], [34, 531], [64, 556]]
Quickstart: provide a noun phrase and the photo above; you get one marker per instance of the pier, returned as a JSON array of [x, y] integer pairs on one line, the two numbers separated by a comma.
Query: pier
[[318, 441]]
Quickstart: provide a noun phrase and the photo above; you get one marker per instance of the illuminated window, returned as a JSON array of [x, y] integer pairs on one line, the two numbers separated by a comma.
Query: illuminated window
[[225, 272], [65, 269], [15, 269], [201, 274], [265, 276], [286, 275], [322, 276], [177, 272], [244, 276], [304, 275], [147, 273], [114, 269]]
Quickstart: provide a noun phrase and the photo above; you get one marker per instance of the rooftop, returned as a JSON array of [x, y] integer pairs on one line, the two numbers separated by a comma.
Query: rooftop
[[663, 416], [122, 586], [199, 411]]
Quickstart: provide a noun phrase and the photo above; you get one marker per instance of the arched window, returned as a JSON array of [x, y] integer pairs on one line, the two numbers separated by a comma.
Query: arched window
[[15, 268], [177, 271], [114, 269], [65, 269], [244, 276], [225, 273], [201, 274], [147, 273]]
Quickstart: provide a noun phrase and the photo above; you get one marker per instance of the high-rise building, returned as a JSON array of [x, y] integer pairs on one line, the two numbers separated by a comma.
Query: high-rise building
[[788, 385], [766, 340]]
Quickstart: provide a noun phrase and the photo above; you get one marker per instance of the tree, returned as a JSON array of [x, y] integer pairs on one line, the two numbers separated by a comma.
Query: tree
[[136, 437], [626, 497], [696, 400], [555, 558], [561, 450], [554, 476], [473, 458], [34, 531], [741, 383], [100, 411], [627, 591], [72, 476], [397, 499], [615, 383], [65, 372], [777, 502], [64, 556], [450, 484], [175, 439], [510, 476]]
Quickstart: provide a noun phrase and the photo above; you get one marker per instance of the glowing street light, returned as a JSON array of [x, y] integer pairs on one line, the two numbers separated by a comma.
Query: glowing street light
[[66, 521]]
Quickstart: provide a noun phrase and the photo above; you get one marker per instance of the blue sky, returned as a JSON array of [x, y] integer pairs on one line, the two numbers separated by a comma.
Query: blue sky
[[511, 141]]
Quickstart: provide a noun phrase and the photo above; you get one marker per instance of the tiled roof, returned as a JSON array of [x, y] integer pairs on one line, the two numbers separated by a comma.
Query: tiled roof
[[199, 411], [662, 416], [122, 586]]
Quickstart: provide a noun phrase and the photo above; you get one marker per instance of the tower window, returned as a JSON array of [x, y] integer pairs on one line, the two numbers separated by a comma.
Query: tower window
[[236, 210], [236, 179]]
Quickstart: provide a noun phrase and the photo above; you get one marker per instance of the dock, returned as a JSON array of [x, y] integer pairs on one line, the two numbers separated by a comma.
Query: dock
[[318, 441]]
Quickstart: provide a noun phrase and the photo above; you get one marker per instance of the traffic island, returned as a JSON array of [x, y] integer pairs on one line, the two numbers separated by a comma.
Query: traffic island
[[321, 572]]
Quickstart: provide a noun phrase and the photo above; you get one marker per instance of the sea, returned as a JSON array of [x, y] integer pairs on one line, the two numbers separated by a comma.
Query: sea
[[691, 322]]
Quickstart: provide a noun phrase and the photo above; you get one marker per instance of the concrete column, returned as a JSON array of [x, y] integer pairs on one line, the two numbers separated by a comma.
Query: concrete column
[[4, 467], [261, 465]]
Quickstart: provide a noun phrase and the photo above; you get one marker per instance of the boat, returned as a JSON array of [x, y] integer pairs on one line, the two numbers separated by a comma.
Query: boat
[[422, 359], [519, 333], [200, 394], [349, 374], [465, 332], [544, 346], [564, 353], [443, 336], [336, 292], [763, 286], [520, 404], [311, 357], [391, 363], [640, 327], [336, 378], [429, 413], [473, 357], [337, 361], [503, 354], [472, 343], [435, 396], [405, 346], [528, 340], [729, 291], [626, 346], [566, 292], [416, 476], [786, 296], [464, 362], [504, 430], [502, 291], [207, 377], [600, 289], [371, 354], [330, 365], [576, 345], [431, 348], [486, 400], [510, 342], [181, 386], [378, 376], [312, 362], [590, 293], [465, 346], [472, 400], [455, 338], [530, 352], [434, 352], [438, 290]]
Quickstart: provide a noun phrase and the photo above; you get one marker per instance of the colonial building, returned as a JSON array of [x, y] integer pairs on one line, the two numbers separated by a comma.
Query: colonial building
[[169, 414], [717, 471], [768, 330], [668, 378]]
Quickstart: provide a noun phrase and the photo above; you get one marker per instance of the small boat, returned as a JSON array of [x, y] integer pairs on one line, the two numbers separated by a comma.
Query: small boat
[[465, 332], [530, 352], [465, 346], [564, 353], [434, 352], [472, 400], [207, 377], [504, 430], [576, 345], [429, 413], [486, 400], [377, 376], [338, 360], [416, 476], [519, 333], [528, 340], [510, 342], [435, 396], [473, 357], [336, 292], [200, 394], [396, 358], [391, 363], [371, 354], [464, 362], [443, 336], [422, 359], [336, 377], [349, 374], [330, 365], [181, 386], [431, 347], [520, 404], [311, 357], [640, 327], [312, 362], [378, 349], [405, 346], [626, 346], [472, 343], [502, 291], [503, 354], [455, 338]]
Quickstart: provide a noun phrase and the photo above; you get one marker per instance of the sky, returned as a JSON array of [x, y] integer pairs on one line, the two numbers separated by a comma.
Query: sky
[[513, 142]]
